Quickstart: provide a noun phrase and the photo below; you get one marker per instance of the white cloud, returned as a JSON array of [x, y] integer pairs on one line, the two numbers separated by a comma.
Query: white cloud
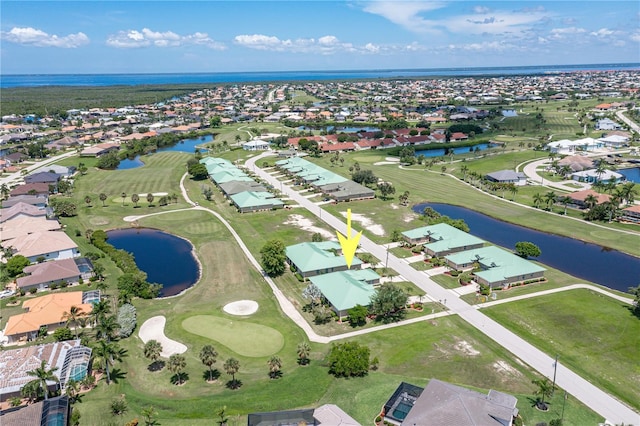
[[495, 46], [495, 22], [635, 36], [602, 33], [406, 13], [481, 9], [147, 37], [561, 33], [325, 45], [34, 37]]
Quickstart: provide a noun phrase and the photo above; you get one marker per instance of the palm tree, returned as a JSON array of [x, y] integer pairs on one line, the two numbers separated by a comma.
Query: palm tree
[[4, 190], [124, 196], [73, 316], [550, 198], [303, 353], [600, 169], [103, 198], [590, 201], [107, 353], [544, 390], [87, 200], [152, 350], [42, 376], [537, 199], [31, 390], [231, 367], [275, 365], [564, 200], [177, 364], [464, 169], [100, 309], [513, 188], [135, 198], [208, 356], [72, 389], [106, 327]]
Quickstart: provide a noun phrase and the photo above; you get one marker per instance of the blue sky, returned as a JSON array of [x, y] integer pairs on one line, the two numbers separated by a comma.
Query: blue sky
[[59, 37]]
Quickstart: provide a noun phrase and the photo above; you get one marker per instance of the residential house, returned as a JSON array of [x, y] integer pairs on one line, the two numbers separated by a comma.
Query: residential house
[[578, 198], [441, 403], [45, 245], [256, 145], [99, 150], [70, 357], [54, 411], [566, 146], [21, 209], [311, 259], [251, 201], [325, 415], [235, 187], [507, 176], [38, 201], [346, 289], [442, 239], [30, 189], [62, 171], [42, 275], [592, 175], [630, 214], [500, 268], [607, 124], [44, 311], [347, 190], [25, 225]]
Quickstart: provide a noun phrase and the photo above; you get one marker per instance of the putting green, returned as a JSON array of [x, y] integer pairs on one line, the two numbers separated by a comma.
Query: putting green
[[244, 338]]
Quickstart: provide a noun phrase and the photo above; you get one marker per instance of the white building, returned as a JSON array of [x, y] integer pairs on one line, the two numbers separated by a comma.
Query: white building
[[565, 146], [256, 145]]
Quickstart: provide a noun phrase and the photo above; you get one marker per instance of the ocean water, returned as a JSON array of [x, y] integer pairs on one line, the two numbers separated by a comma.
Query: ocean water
[[35, 80]]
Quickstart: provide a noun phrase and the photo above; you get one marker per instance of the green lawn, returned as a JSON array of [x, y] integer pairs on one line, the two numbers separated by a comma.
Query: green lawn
[[239, 335], [604, 352]]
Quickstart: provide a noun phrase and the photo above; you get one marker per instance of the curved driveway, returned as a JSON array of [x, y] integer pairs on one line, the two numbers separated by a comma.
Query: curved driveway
[[604, 404]]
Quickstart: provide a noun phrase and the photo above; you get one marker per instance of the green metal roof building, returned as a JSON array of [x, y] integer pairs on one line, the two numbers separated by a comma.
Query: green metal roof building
[[442, 239], [251, 201], [346, 289], [499, 267], [311, 259]]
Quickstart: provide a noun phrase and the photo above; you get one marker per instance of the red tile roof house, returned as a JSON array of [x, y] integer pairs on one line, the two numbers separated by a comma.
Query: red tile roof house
[[42, 275], [578, 198], [30, 189], [631, 214]]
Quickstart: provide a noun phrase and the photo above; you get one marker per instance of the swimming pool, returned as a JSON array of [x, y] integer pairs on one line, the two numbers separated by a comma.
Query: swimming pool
[[401, 410]]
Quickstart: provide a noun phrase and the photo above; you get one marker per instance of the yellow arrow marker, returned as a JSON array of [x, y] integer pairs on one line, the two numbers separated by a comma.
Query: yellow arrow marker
[[349, 244]]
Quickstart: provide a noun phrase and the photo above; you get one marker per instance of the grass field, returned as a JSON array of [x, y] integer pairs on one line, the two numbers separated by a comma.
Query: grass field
[[605, 350], [446, 348], [240, 336]]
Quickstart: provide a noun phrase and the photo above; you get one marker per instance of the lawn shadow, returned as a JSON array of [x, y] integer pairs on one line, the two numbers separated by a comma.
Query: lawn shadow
[[234, 384], [156, 366], [179, 378], [211, 376], [275, 374], [117, 374]]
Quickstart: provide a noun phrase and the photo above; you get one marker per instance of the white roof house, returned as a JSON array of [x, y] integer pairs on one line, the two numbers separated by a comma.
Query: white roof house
[[566, 146], [592, 175], [256, 145], [614, 141]]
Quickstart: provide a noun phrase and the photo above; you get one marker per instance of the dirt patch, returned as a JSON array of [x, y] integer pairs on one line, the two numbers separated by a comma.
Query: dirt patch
[[466, 348], [367, 223], [503, 367], [306, 224], [409, 217], [99, 220]]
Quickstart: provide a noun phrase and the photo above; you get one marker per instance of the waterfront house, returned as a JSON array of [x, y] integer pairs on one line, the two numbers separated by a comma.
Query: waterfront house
[[442, 239], [630, 214], [47, 245]]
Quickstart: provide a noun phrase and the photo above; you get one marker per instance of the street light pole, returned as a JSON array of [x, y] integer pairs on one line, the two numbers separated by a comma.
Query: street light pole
[[555, 368]]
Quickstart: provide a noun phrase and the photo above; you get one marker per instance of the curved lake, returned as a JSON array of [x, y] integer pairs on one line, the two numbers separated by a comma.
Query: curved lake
[[588, 261], [185, 145], [167, 259]]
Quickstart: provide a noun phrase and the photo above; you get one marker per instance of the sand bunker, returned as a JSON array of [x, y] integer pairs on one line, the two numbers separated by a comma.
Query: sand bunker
[[306, 224], [241, 307], [153, 329], [367, 223]]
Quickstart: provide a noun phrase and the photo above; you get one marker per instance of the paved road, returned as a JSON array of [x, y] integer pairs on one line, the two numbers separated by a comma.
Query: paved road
[[604, 404], [631, 123], [17, 175]]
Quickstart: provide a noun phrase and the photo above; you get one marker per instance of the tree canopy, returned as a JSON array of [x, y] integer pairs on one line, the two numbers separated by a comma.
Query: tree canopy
[[527, 249], [348, 359], [198, 171], [273, 257], [389, 302]]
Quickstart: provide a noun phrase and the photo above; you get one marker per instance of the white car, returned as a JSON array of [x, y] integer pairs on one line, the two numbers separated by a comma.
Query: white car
[[6, 293]]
